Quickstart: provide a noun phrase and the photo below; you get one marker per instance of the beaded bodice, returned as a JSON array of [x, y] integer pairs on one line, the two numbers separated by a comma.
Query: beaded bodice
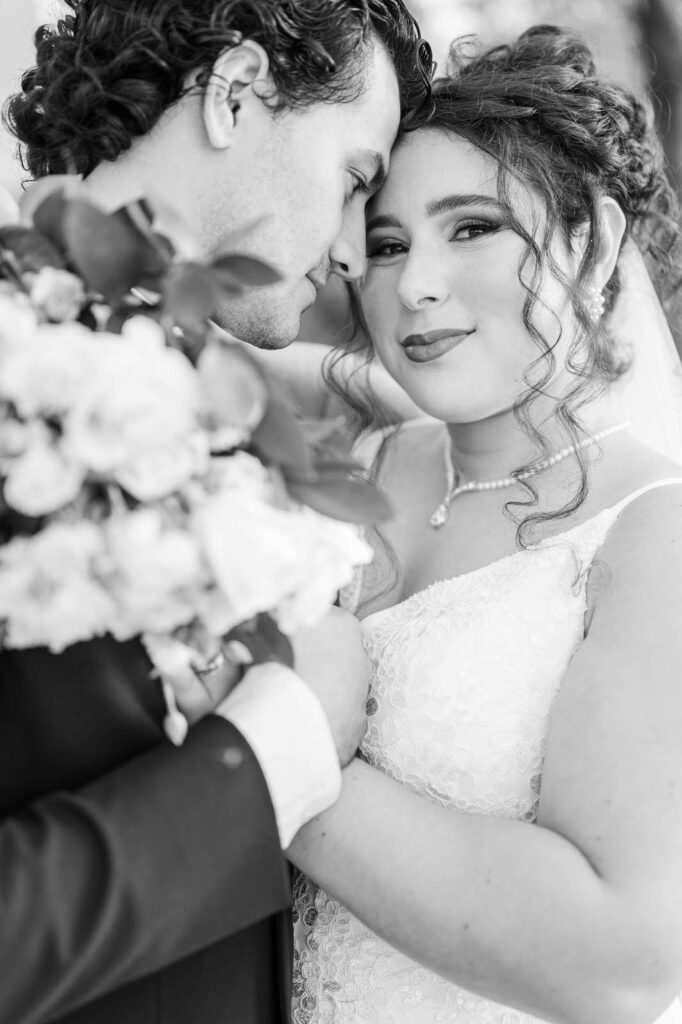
[[464, 676]]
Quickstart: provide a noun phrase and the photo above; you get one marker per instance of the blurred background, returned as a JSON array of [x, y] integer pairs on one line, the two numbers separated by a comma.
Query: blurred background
[[637, 42]]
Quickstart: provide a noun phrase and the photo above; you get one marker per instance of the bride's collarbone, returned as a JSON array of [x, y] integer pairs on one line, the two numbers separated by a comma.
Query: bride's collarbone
[[475, 534], [478, 531]]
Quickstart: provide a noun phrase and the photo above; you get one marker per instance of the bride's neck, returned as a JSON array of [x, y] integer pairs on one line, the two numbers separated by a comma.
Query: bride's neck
[[491, 448]]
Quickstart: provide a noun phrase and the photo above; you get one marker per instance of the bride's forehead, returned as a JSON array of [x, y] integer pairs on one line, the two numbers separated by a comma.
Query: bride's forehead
[[429, 158], [427, 166], [430, 164]]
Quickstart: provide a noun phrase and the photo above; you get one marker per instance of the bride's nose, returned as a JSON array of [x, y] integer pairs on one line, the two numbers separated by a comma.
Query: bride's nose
[[422, 283]]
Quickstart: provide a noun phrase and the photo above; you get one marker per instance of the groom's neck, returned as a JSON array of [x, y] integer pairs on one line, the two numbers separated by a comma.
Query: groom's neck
[[162, 166]]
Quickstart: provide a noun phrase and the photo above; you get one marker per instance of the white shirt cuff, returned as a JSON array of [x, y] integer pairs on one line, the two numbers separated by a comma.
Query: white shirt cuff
[[283, 722]]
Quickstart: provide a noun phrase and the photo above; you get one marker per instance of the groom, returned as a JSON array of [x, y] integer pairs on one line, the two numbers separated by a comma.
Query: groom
[[140, 883]]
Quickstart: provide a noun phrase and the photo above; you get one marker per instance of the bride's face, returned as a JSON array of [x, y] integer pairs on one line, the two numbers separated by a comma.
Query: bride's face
[[442, 294]]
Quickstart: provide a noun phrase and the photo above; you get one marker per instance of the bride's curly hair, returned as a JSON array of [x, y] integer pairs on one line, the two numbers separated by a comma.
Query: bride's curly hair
[[539, 109], [107, 71]]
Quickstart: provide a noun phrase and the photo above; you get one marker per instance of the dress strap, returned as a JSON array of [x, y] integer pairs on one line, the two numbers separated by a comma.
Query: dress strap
[[624, 502], [590, 535]]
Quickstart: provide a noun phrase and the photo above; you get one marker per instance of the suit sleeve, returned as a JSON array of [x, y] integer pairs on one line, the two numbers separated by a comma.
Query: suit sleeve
[[169, 853]]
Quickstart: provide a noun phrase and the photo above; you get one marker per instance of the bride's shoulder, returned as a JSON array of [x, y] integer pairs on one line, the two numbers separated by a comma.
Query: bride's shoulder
[[637, 572], [646, 531]]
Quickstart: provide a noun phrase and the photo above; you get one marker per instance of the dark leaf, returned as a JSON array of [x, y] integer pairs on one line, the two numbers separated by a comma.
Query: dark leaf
[[158, 251], [279, 437], [191, 294], [265, 643], [355, 501], [107, 250], [49, 195], [88, 318], [244, 270], [48, 218], [326, 470], [32, 250]]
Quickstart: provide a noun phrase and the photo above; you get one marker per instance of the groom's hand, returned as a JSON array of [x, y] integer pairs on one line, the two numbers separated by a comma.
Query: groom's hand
[[199, 694], [331, 660]]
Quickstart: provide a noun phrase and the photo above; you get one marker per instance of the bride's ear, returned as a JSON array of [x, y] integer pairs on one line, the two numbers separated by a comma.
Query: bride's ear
[[612, 226], [229, 93]]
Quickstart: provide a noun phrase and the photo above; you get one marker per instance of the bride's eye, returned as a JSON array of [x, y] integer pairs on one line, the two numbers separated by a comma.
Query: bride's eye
[[472, 229], [385, 248]]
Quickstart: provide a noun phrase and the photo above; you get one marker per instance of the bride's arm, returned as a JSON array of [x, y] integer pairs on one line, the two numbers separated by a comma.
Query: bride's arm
[[577, 918]]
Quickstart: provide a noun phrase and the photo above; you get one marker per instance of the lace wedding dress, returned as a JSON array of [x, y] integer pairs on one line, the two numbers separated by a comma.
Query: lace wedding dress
[[465, 673]]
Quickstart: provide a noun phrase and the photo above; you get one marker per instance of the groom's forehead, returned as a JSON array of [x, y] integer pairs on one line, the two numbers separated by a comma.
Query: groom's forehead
[[370, 121]]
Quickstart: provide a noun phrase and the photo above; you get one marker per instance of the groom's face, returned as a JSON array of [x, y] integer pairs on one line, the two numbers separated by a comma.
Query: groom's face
[[301, 198]]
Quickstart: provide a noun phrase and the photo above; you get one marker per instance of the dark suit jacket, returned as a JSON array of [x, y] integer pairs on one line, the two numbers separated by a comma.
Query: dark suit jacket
[[139, 883]]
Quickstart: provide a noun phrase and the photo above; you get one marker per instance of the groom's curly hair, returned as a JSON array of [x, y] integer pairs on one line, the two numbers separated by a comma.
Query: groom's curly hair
[[106, 72]]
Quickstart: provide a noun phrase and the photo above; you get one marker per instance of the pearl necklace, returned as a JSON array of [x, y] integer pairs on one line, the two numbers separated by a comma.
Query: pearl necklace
[[454, 488]]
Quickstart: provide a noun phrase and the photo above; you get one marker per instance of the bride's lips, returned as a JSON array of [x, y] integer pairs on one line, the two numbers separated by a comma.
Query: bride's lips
[[423, 348]]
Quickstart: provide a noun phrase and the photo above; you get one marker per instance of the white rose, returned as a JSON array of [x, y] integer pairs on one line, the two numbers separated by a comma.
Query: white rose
[[153, 570], [49, 592], [250, 549], [58, 294], [335, 549], [262, 556], [47, 373], [18, 330], [142, 404], [15, 438], [42, 480], [144, 333], [241, 472], [163, 470]]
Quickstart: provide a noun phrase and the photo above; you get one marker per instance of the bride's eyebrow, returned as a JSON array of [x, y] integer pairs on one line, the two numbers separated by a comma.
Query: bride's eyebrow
[[436, 207], [382, 221], [446, 204]]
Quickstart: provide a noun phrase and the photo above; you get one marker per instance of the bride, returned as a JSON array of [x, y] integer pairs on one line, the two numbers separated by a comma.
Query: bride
[[508, 845]]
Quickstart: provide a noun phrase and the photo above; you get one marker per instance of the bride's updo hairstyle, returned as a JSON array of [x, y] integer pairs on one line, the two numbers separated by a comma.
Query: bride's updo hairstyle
[[539, 109], [107, 71]]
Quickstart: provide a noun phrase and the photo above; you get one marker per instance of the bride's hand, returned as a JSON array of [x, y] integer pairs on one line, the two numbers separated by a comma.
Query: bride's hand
[[330, 658]]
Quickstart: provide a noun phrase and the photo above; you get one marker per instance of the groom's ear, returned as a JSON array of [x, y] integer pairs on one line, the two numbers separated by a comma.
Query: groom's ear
[[230, 90], [612, 226]]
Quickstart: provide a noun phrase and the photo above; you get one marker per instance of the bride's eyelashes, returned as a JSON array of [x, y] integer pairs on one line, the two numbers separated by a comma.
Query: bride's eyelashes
[[473, 229], [464, 231], [385, 248]]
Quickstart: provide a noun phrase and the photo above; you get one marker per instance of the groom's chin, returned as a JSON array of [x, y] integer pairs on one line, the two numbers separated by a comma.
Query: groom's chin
[[260, 323]]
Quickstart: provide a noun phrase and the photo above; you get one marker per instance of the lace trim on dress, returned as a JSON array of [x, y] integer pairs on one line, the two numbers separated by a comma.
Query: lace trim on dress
[[465, 673]]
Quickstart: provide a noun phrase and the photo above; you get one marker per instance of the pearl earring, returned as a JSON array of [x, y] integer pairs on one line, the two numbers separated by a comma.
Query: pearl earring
[[595, 303]]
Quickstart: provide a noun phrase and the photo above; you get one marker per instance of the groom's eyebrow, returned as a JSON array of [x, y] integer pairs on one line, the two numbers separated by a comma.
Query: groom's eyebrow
[[377, 169]]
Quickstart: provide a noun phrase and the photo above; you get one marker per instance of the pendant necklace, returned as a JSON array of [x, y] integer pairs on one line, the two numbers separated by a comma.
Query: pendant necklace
[[455, 488]]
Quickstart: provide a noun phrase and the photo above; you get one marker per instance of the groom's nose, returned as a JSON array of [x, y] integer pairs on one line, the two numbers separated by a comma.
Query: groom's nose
[[347, 253]]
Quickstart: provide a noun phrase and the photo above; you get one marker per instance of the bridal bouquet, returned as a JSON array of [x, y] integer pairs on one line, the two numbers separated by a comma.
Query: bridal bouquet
[[153, 481]]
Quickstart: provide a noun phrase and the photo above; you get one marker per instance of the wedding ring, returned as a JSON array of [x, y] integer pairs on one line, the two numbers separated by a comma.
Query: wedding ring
[[212, 665]]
